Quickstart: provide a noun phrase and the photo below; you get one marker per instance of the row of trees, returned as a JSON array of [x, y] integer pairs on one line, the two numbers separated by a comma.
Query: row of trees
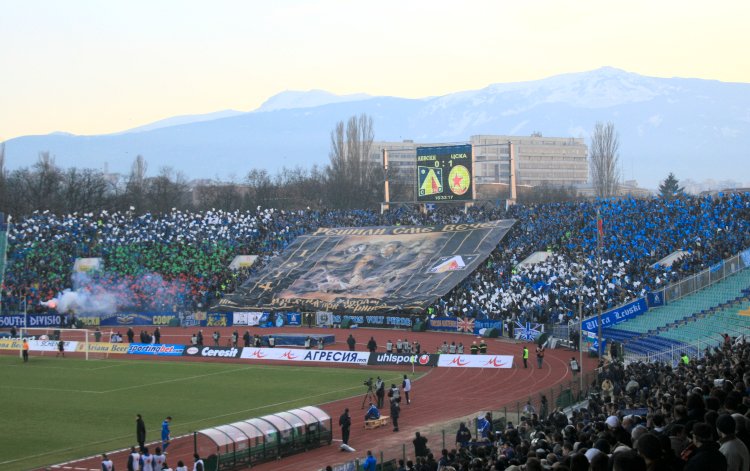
[[352, 179]]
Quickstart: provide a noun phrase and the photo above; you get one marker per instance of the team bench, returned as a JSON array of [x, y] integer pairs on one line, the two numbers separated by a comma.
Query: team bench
[[375, 423]]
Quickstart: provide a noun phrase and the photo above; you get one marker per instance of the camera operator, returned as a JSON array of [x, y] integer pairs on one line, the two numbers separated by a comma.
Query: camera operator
[[372, 412]]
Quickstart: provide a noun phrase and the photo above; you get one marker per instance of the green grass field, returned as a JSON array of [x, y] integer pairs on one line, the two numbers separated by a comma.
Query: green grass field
[[56, 410]]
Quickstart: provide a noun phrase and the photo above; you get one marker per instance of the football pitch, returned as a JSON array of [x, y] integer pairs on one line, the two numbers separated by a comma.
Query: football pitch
[[59, 409]]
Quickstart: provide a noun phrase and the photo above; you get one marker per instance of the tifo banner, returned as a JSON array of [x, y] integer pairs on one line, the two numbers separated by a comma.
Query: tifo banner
[[212, 352], [374, 320], [445, 324], [655, 298], [103, 347], [157, 349], [475, 361], [369, 270], [247, 318], [617, 315], [32, 320], [381, 359], [293, 354]]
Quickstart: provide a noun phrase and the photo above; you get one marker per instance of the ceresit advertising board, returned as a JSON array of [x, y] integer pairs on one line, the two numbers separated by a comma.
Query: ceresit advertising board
[[475, 361], [295, 354]]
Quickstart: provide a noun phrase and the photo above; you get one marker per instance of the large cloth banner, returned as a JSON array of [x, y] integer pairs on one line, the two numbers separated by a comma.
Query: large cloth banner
[[374, 320], [655, 298], [444, 324], [475, 361], [247, 318], [617, 315], [294, 354], [369, 270]]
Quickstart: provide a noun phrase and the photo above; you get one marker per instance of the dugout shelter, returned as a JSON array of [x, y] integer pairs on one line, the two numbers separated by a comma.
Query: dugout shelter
[[249, 442]]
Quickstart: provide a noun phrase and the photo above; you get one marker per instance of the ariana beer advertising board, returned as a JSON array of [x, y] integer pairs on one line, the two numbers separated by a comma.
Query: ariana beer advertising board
[[445, 174]]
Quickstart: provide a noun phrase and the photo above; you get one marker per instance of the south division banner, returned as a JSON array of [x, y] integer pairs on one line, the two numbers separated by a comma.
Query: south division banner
[[475, 361], [369, 270]]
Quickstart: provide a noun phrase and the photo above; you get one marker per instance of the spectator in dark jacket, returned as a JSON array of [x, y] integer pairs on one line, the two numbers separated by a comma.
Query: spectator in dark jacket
[[707, 455]]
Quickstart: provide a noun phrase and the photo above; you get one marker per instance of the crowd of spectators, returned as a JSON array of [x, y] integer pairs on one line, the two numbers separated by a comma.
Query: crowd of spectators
[[179, 260], [656, 417]]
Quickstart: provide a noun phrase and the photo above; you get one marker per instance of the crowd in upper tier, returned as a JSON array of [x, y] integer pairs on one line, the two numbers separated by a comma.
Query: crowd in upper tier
[[654, 417], [179, 260]]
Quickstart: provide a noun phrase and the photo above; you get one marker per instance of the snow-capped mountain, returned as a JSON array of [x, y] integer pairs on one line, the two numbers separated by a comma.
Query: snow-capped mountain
[[697, 129]]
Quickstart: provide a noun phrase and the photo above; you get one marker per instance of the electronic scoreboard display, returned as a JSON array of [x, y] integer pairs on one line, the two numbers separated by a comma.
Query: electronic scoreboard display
[[444, 174]]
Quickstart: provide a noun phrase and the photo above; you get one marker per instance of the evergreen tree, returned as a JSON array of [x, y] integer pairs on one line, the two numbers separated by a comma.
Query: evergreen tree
[[670, 188]]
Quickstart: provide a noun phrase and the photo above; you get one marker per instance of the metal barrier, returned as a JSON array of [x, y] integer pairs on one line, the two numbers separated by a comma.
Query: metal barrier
[[704, 278]]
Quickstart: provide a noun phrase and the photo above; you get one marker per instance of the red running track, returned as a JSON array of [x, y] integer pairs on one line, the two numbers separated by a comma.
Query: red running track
[[441, 396]]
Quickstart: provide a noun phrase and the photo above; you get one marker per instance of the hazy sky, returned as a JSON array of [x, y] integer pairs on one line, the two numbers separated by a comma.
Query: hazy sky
[[91, 67]]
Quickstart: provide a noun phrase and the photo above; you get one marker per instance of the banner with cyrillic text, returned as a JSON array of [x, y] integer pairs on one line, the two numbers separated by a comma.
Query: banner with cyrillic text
[[294, 354]]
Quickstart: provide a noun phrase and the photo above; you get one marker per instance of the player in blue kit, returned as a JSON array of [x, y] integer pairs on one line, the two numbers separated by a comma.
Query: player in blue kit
[[165, 434]]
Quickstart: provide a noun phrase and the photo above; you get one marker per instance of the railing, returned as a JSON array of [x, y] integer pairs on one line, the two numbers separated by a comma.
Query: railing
[[443, 436], [695, 350], [704, 278]]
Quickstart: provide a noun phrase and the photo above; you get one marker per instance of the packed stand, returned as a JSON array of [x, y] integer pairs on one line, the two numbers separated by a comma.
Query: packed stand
[[642, 417], [178, 261]]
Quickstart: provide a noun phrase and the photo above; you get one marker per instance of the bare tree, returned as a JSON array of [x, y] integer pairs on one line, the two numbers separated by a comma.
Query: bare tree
[[604, 160], [354, 178], [135, 187]]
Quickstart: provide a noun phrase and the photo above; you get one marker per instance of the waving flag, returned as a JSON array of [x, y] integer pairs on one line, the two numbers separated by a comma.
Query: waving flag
[[528, 331]]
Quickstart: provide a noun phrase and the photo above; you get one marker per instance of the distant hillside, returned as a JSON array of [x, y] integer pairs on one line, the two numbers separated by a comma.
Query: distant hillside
[[697, 129]]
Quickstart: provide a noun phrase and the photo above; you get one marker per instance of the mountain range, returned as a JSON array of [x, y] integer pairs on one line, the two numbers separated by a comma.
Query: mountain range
[[695, 128]]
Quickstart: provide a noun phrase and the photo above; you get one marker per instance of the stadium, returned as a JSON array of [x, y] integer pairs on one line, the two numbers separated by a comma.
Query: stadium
[[256, 339]]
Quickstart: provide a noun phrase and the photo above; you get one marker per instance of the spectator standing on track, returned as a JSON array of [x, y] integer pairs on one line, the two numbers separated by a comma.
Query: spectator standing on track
[[320, 343], [460, 348], [246, 338], [482, 347], [452, 348], [198, 463], [370, 463], [420, 446], [416, 347], [539, 356], [159, 459], [380, 392], [235, 338], [395, 412], [574, 366], [351, 342], [399, 346], [107, 464], [25, 350], [271, 341], [134, 460], [525, 355], [346, 423], [157, 335], [474, 348], [216, 337], [97, 335], [140, 431], [389, 346], [13, 332], [308, 342], [372, 345], [406, 386], [166, 435], [181, 466], [60, 348], [194, 340], [130, 334]]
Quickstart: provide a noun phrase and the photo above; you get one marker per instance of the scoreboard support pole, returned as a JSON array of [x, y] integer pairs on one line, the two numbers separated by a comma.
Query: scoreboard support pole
[[386, 189], [469, 204]]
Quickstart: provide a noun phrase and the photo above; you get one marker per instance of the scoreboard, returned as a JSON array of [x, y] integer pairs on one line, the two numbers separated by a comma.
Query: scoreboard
[[445, 174]]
